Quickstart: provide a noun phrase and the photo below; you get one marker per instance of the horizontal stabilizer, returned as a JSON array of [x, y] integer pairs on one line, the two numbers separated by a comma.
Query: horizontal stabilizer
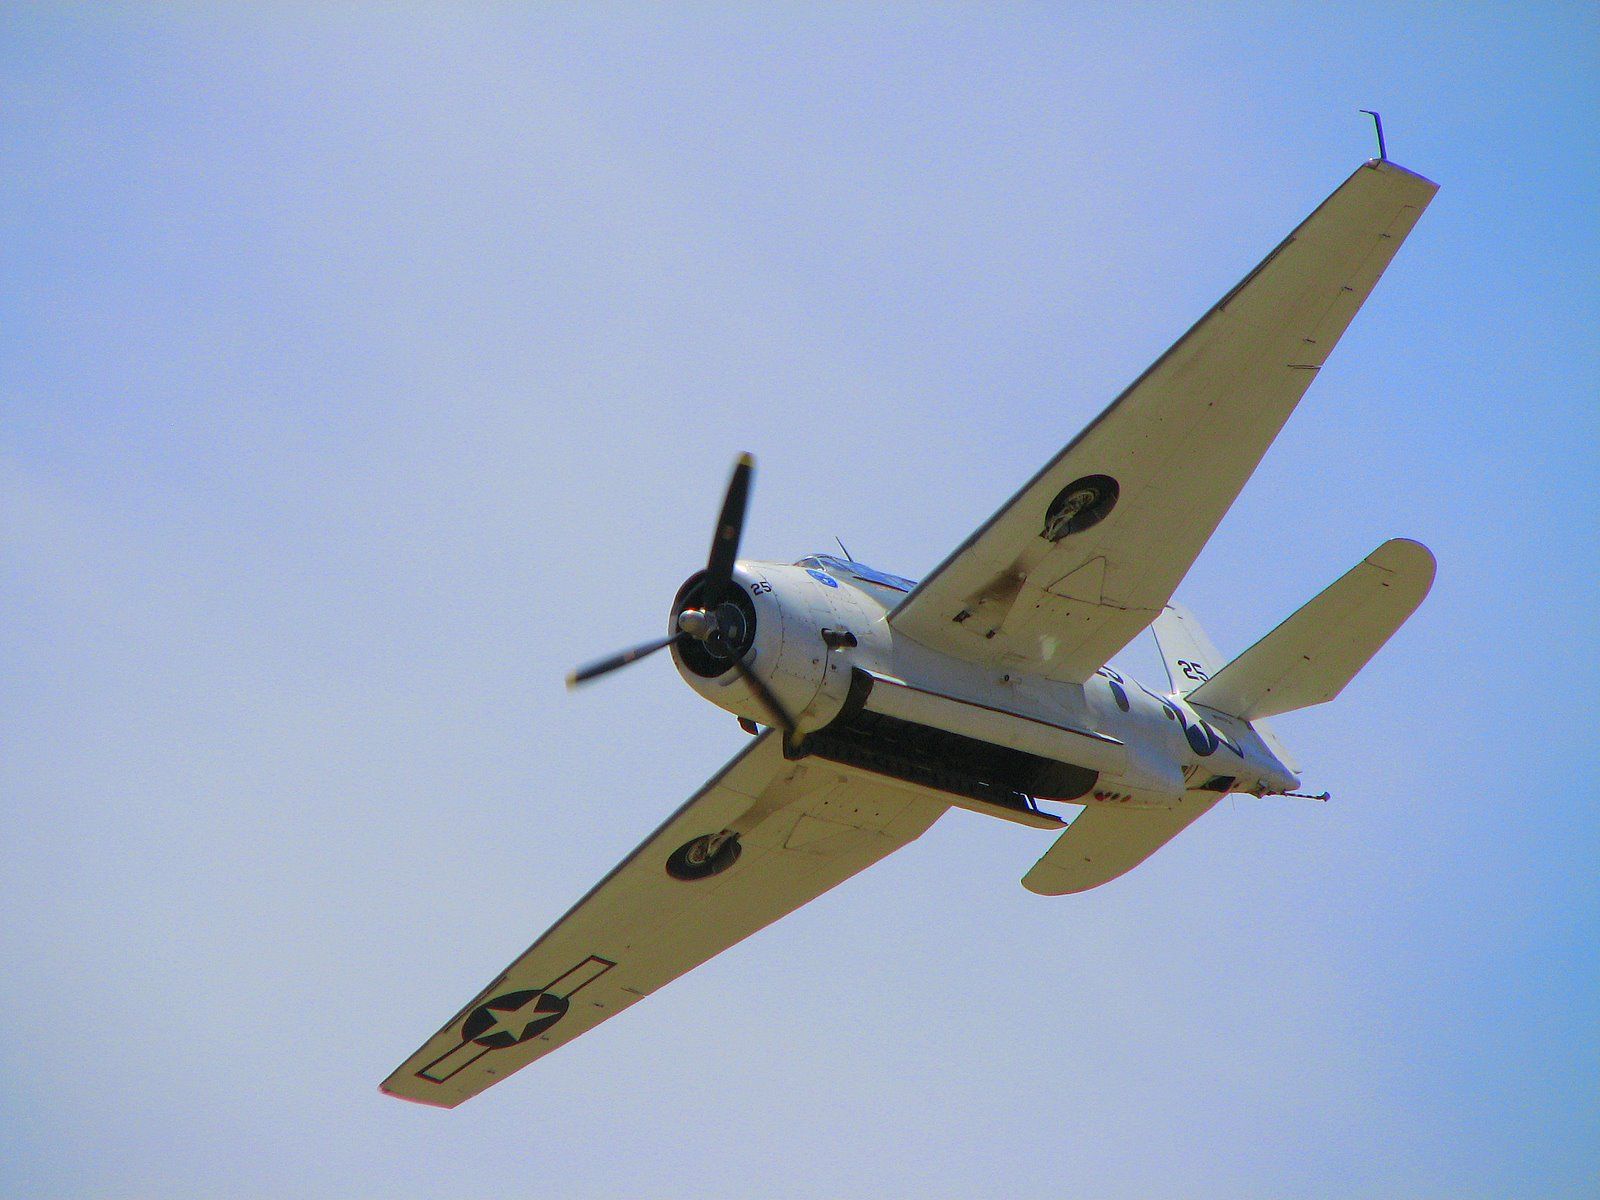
[[1104, 842], [1312, 656]]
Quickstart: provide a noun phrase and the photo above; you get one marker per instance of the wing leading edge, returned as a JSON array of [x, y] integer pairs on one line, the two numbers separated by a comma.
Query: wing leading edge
[[1085, 556], [805, 827]]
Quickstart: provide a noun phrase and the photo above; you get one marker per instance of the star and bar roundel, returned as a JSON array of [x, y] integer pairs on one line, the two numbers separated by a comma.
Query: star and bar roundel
[[512, 1018]]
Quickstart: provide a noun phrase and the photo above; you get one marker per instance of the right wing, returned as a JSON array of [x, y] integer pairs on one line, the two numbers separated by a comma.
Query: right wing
[[1086, 555], [804, 827], [1104, 841]]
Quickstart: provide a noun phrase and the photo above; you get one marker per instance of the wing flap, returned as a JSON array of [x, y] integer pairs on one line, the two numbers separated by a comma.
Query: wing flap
[[1104, 842], [804, 827], [1311, 657], [1087, 554]]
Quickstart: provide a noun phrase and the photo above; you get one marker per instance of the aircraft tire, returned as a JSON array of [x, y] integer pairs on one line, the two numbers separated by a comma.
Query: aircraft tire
[[690, 860]]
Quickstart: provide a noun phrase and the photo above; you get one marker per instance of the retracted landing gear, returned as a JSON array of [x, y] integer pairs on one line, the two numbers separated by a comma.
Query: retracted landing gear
[[704, 856]]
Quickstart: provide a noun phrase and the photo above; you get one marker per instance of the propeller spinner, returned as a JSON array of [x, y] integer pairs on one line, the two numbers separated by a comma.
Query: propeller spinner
[[710, 619]]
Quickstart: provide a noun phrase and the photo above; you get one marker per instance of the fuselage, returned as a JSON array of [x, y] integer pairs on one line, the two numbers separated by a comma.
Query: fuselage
[[822, 642]]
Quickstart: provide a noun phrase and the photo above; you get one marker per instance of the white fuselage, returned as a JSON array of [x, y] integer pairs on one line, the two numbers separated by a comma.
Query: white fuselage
[[822, 629]]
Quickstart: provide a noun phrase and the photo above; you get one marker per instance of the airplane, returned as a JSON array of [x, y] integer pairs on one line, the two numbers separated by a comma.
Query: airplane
[[878, 704]]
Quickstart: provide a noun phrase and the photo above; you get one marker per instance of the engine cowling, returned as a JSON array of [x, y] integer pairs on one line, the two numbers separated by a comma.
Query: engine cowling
[[772, 619]]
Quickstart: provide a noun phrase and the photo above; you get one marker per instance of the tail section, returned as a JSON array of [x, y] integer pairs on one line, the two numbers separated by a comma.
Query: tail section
[[1312, 656], [1307, 660], [1191, 659]]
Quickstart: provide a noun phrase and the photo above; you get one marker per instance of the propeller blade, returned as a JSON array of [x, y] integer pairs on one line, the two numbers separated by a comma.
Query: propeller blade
[[768, 701], [725, 542], [603, 666]]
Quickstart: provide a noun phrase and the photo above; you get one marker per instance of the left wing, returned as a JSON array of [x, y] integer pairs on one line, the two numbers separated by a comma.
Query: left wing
[[1086, 555], [804, 827]]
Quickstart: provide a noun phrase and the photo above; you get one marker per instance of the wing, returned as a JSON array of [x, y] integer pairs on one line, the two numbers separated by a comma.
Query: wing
[[803, 827], [1104, 841], [1086, 555]]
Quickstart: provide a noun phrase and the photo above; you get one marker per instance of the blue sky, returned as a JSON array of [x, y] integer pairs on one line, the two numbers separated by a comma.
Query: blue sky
[[365, 368]]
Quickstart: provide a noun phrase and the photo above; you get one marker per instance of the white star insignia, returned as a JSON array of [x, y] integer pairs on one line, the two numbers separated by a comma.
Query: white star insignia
[[515, 1021]]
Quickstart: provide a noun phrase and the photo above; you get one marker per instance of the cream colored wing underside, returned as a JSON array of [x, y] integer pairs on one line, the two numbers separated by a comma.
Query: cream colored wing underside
[[1179, 444], [805, 826]]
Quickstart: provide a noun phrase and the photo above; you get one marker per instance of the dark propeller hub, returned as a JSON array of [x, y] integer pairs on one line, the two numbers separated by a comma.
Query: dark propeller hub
[[713, 619], [718, 622]]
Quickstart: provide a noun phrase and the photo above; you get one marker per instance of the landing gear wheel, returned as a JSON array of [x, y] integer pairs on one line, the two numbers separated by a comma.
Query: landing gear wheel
[[1082, 503], [704, 857]]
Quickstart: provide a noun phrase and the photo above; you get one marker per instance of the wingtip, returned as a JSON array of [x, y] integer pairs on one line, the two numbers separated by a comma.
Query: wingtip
[[1389, 165], [411, 1099]]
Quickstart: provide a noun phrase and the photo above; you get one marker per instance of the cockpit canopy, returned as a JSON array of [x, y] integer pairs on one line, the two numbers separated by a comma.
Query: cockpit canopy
[[856, 573]]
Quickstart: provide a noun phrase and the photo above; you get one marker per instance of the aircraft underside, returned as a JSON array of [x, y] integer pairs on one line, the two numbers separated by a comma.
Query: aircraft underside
[[878, 704]]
